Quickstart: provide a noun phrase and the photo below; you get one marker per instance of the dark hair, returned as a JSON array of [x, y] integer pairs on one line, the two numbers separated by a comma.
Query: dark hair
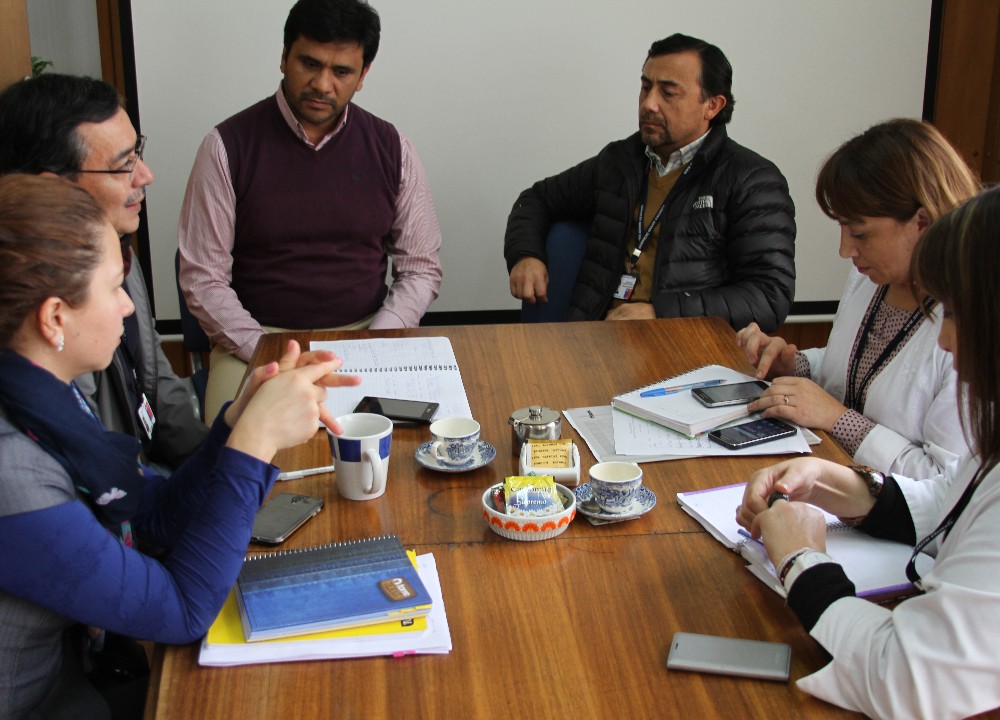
[[956, 261], [716, 72], [50, 244], [39, 118], [335, 21], [891, 170]]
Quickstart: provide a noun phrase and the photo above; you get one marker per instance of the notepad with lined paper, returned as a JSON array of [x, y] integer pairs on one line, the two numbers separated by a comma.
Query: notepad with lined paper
[[412, 368]]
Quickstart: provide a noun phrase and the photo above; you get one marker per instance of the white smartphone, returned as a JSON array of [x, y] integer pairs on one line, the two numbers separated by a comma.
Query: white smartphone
[[730, 656]]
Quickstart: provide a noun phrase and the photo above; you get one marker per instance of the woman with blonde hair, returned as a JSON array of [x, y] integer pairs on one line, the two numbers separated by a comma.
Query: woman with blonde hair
[[936, 655], [77, 504], [881, 387]]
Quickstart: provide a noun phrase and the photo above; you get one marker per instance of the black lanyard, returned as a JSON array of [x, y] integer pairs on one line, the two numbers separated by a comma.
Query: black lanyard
[[856, 392], [127, 359], [642, 236], [944, 527]]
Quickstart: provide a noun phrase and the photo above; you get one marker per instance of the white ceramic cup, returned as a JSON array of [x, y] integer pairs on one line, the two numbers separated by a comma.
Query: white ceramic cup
[[455, 440], [361, 454], [615, 484]]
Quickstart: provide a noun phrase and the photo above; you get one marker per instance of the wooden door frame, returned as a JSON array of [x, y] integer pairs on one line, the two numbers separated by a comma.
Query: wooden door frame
[[15, 47], [114, 29], [964, 105]]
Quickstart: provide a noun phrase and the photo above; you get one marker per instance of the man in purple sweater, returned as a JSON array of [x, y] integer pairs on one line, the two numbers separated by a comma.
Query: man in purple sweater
[[295, 205]]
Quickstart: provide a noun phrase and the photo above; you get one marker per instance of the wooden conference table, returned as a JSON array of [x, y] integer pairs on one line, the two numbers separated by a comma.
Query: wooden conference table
[[577, 626]]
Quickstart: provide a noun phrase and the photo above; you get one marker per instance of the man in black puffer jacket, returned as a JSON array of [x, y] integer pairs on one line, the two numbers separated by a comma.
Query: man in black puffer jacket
[[717, 236]]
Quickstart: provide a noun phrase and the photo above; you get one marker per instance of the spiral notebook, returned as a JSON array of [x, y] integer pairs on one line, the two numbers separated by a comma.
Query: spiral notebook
[[415, 368], [326, 587], [680, 411], [226, 645]]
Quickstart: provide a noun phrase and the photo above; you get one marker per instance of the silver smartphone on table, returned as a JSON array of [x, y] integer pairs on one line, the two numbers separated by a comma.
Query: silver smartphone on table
[[282, 515], [730, 656]]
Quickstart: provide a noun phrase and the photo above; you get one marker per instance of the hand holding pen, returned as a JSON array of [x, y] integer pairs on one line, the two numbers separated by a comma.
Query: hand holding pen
[[656, 392]]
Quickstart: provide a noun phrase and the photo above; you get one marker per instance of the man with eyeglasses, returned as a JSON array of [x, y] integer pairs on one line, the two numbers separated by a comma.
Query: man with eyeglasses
[[76, 127]]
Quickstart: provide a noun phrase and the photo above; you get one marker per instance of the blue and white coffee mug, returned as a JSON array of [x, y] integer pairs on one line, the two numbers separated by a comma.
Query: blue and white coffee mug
[[361, 455]]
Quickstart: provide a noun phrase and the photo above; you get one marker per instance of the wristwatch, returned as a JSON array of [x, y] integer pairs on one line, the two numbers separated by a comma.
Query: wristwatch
[[872, 477], [801, 563]]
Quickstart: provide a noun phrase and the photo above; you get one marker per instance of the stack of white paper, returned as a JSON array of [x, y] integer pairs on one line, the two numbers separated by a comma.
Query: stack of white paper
[[614, 435]]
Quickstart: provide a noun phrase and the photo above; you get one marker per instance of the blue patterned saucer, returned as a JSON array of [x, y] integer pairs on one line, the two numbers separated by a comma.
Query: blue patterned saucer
[[482, 455]]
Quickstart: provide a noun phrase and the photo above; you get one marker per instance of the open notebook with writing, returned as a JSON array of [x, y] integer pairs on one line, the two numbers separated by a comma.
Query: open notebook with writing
[[413, 368], [877, 567], [681, 411]]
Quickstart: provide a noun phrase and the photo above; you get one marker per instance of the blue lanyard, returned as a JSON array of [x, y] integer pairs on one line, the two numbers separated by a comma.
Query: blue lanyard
[[642, 236]]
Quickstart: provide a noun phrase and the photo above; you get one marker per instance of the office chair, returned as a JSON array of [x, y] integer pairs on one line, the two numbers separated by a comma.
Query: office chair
[[195, 343], [565, 246]]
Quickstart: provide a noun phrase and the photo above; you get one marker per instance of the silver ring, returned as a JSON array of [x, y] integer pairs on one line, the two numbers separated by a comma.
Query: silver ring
[[786, 400]]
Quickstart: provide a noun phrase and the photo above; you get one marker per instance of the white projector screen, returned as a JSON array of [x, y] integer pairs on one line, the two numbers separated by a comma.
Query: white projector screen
[[496, 95]]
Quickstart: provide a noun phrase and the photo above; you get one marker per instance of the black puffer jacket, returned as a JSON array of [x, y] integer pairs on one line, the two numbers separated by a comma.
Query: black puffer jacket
[[727, 239]]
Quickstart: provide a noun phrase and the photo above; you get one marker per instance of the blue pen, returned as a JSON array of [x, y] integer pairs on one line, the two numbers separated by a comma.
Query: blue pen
[[748, 536], [678, 388]]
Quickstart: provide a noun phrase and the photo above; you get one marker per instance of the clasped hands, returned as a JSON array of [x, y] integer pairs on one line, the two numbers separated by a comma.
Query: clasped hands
[[282, 403], [790, 526], [785, 526], [797, 399]]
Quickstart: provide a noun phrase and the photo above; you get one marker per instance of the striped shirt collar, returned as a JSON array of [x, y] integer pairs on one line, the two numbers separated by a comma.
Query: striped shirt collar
[[677, 157]]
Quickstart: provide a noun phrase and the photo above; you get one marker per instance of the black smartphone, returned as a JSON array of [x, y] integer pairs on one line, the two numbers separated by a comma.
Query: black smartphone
[[730, 656], [755, 432], [730, 394], [283, 515], [399, 411]]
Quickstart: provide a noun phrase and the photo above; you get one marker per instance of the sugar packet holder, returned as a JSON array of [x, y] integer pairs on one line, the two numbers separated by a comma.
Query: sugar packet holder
[[568, 476]]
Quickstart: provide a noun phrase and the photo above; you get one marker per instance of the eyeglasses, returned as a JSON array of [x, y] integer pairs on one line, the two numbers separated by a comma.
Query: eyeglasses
[[129, 167]]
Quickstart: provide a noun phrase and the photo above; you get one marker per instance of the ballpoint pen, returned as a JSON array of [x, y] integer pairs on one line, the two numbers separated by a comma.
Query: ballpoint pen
[[296, 474], [678, 388], [744, 534]]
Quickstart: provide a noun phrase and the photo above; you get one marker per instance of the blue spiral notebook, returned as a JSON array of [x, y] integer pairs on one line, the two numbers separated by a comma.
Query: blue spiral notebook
[[339, 585]]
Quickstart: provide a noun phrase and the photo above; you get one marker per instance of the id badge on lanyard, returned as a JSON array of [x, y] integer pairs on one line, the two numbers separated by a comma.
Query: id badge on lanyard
[[626, 286], [146, 416], [629, 279]]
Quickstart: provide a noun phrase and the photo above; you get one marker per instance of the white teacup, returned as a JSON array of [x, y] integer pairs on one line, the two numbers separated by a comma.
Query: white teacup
[[361, 453], [615, 485], [455, 440]]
